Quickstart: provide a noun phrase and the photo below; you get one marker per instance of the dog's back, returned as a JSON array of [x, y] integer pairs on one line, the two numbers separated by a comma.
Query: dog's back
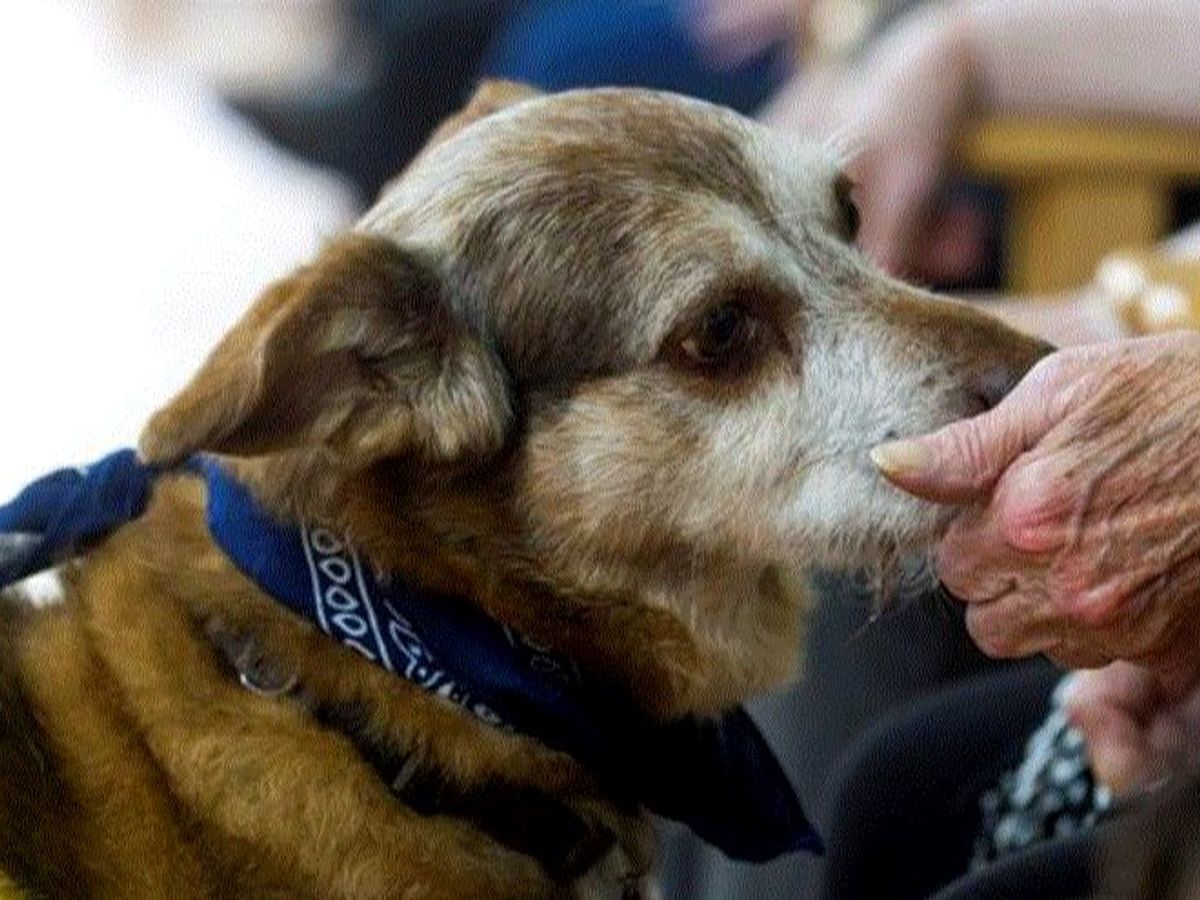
[[38, 812]]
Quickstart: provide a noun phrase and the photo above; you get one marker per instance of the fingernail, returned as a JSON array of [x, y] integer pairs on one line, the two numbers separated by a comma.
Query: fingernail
[[902, 458]]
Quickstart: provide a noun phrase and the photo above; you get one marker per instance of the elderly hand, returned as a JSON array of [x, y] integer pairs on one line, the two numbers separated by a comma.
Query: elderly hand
[[1079, 535], [1135, 732]]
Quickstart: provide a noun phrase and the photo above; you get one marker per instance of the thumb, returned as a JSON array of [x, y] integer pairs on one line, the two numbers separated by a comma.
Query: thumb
[[961, 462]]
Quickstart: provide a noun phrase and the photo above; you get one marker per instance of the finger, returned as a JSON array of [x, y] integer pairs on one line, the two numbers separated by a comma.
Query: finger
[[1121, 684], [1116, 746], [976, 564], [961, 462], [965, 562], [1035, 500], [1011, 627], [890, 209]]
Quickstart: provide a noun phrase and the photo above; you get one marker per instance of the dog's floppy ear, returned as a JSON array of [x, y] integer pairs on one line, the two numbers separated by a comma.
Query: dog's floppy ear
[[359, 353]]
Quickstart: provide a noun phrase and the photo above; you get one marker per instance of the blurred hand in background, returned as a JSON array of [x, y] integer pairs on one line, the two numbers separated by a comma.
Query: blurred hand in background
[[1136, 732], [897, 107], [735, 31], [891, 114]]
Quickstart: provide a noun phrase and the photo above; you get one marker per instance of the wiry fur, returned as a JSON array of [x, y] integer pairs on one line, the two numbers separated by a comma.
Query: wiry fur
[[488, 385]]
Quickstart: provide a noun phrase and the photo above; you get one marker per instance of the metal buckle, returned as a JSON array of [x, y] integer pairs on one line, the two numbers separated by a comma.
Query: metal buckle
[[266, 682]]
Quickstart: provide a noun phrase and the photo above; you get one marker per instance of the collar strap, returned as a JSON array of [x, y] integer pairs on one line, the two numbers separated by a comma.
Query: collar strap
[[719, 777], [523, 819], [60, 515]]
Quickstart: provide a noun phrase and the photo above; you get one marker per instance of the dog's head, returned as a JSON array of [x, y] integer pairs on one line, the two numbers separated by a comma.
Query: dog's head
[[621, 337]]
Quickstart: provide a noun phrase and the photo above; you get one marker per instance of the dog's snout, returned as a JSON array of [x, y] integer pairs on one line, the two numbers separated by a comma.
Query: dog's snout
[[996, 380]]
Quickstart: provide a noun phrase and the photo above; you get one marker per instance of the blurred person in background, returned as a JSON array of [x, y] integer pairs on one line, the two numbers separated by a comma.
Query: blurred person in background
[[899, 106], [732, 52]]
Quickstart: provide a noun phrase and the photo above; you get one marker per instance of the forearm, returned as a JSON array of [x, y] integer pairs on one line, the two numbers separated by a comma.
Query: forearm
[[1116, 57]]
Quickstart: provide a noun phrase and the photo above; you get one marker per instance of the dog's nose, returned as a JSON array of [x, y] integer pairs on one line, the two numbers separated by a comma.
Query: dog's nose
[[994, 384], [995, 381]]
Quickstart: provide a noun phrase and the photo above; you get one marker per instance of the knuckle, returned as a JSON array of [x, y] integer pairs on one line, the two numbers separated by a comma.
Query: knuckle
[[1012, 511], [1049, 369], [989, 635], [955, 579], [1030, 511], [956, 567], [1098, 608], [1018, 517], [1044, 372]]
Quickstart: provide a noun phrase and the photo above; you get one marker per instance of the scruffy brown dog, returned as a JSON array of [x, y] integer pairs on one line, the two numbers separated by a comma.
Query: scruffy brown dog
[[607, 365]]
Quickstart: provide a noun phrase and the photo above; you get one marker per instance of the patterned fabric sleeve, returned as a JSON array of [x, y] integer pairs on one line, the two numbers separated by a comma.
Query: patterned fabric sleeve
[[1051, 793]]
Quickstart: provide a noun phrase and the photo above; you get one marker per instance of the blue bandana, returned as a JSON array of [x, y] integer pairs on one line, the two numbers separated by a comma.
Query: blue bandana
[[719, 777]]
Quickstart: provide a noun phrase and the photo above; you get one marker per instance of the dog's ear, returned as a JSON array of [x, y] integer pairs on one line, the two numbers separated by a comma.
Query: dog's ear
[[358, 353], [490, 97]]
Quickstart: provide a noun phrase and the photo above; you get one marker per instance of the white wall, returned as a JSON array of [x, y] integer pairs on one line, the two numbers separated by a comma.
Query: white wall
[[137, 220]]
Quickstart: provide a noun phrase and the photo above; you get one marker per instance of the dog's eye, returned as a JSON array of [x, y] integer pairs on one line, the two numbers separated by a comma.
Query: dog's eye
[[848, 215], [722, 332]]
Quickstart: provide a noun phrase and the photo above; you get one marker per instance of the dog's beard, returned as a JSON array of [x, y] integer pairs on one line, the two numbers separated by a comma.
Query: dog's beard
[[892, 552], [899, 578]]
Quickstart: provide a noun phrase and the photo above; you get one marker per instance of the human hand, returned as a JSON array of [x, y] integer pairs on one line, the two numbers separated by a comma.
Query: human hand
[[1136, 733], [735, 31], [1079, 535], [894, 113]]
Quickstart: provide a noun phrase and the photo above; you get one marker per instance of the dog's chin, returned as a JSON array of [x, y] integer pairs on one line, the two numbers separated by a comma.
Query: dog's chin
[[897, 556], [876, 530]]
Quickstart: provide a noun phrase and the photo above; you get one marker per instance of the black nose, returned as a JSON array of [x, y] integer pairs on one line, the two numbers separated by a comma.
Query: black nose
[[994, 384], [996, 380]]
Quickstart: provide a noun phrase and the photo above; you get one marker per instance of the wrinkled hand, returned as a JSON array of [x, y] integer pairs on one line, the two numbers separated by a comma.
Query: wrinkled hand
[[1079, 535], [1136, 732]]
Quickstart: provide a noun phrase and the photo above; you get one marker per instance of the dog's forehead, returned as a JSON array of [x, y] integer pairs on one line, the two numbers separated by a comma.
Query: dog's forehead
[[622, 139], [585, 217]]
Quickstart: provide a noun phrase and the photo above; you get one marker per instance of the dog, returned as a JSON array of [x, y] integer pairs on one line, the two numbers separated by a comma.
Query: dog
[[602, 368]]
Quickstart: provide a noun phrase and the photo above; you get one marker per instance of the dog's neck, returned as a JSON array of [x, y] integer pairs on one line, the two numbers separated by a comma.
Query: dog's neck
[[220, 556], [685, 635], [171, 664]]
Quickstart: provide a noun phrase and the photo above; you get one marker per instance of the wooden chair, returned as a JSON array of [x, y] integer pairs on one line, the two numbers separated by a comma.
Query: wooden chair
[[1078, 190]]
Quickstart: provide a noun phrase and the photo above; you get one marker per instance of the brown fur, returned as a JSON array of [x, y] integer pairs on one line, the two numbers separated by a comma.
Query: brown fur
[[489, 387]]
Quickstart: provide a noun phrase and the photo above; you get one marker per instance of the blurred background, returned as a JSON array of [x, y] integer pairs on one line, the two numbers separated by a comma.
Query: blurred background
[[164, 159]]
